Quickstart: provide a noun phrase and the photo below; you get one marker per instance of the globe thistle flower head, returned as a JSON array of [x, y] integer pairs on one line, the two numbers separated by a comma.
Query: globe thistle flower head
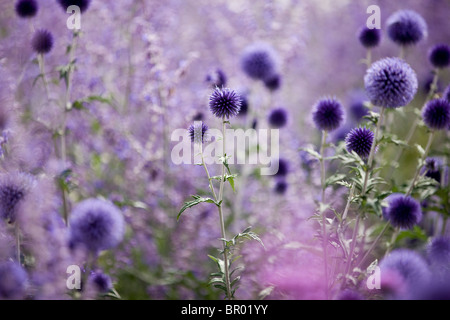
[[328, 114], [225, 103], [273, 82], [101, 281], [217, 78], [244, 105], [408, 265], [436, 114], [42, 41], [403, 211], [197, 132], [259, 61], [96, 225], [439, 56], [406, 27], [360, 140], [13, 281], [82, 4], [390, 83], [280, 186], [278, 118], [283, 168], [356, 105], [14, 188], [432, 168], [26, 8], [369, 38]]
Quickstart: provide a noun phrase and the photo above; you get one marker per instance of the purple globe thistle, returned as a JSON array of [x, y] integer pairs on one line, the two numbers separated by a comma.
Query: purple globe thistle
[[101, 281], [432, 168], [406, 27], [13, 281], [403, 211], [369, 38], [244, 105], [283, 167], [436, 114], [280, 186], [96, 225], [356, 105], [328, 114], [217, 78], [408, 265], [14, 187], [273, 82], [439, 56], [26, 8], [360, 140], [224, 103], [82, 4], [259, 61], [42, 41], [391, 83], [197, 132], [278, 118]]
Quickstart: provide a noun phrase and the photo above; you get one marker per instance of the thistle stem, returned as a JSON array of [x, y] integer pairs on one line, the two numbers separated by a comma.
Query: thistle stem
[[324, 226], [17, 234]]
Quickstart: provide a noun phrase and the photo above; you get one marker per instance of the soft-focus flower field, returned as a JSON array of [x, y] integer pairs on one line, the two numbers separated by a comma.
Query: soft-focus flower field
[[94, 206]]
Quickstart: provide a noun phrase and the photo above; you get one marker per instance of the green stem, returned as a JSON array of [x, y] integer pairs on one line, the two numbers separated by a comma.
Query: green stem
[[421, 163], [324, 226], [41, 63]]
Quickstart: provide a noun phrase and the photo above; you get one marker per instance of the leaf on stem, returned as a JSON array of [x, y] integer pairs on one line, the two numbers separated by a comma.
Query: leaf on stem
[[196, 201]]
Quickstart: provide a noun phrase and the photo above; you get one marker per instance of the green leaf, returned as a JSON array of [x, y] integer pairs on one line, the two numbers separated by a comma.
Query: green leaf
[[312, 152], [334, 179], [196, 201]]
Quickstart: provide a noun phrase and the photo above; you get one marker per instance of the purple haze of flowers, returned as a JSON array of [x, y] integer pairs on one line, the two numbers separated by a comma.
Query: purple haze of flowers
[[13, 281], [436, 114], [26, 8], [258, 61], [369, 38], [439, 56], [42, 41], [96, 225], [360, 140], [408, 265], [225, 103], [438, 253], [82, 4], [390, 83], [328, 114], [403, 211], [406, 27]]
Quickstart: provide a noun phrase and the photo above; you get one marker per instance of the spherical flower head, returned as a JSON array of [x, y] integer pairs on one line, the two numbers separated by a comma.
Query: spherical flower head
[[360, 140], [273, 82], [406, 27], [283, 168], [432, 168], [244, 105], [439, 56], [369, 38], [26, 8], [408, 265], [217, 78], [328, 114], [82, 4], [436, 114], [259, 61], [13, 281], [101, 281], [391, 83], [197, 132], [225, 103], [278, 118], [96, 225], [42, 41], [14, 188], [403, 211], [280, 186]]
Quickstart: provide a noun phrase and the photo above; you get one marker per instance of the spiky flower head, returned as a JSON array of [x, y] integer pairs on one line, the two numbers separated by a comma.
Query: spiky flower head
[[273, 82], [278, 118], [436, 114], [82, 4], [390, 83], [96, 225], [42, 41], [26, 8], [259, 61], [439, 56], [403, 211], [13, 281], [14, 188], [406, 27], [197, 132], [369, 38], [360, 140], [328, 114], [225, 103]]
